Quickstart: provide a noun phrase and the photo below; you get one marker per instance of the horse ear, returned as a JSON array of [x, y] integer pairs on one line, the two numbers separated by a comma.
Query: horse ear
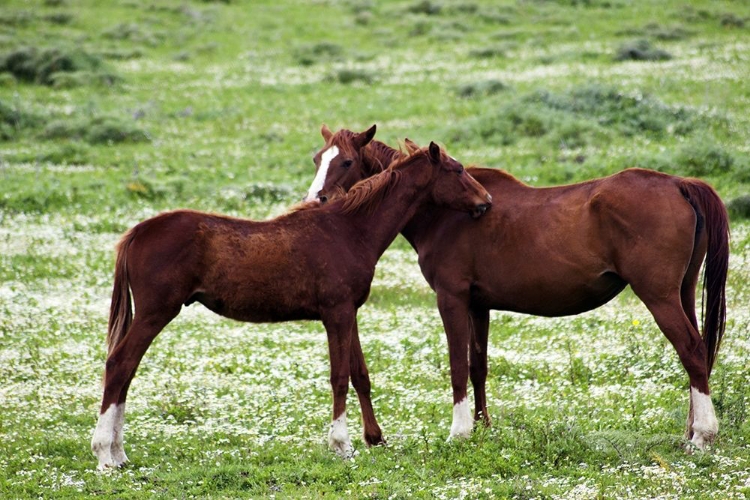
[[364, 138], [411, 146], [326, 132], [434, 152]]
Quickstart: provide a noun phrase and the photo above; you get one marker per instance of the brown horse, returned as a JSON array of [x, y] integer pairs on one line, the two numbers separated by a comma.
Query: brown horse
[[564, 250], [315, 263]]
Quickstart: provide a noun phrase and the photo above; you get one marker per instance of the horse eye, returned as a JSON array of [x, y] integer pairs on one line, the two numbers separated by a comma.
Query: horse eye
[[347, 163]]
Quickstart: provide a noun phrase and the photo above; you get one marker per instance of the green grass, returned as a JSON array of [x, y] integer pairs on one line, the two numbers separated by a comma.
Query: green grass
[[111, 112]]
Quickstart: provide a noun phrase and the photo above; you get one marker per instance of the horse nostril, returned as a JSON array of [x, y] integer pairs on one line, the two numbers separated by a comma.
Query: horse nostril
[[323, 198]]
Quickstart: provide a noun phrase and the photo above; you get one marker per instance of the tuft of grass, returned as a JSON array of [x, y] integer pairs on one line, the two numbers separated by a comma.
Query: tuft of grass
[[481, 88], [352, 75], [659, 32], [489, 52], [60, 18], [43, 66], [14, 118], [573, 118], [97, 130], [641, 50], [425, 7], [739, 207], [731, 20], [308, 55]]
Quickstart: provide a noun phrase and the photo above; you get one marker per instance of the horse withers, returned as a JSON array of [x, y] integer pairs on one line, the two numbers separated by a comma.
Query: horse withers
[[315, 263], [561, 251]]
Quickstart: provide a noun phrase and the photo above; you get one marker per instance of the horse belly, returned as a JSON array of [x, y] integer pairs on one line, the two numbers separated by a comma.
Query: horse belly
[[552, 298], [264, 305]]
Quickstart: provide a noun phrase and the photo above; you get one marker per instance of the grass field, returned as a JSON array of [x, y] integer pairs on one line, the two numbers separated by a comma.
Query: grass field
[[111, 112]]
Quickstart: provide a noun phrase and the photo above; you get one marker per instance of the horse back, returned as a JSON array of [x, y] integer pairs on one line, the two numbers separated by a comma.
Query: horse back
[[557, 250]]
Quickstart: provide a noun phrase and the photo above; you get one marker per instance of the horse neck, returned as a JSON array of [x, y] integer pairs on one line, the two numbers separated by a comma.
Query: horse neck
[[380, 226], [377, 156]]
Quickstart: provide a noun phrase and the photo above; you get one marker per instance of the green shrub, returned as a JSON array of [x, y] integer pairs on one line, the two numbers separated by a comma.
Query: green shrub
[[641, 50], [308, 55], [351, 75], [739, 208], [14, 118], [482, 88], [425, 7], [41, 66], [574, 118], [99, 130]]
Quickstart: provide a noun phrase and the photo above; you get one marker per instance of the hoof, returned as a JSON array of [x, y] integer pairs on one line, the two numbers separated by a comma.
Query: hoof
[[343, 449], [374, 439]]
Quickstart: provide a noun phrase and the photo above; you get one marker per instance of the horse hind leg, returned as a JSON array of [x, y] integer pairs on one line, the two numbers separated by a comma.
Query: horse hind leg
[[681, 332], [687, 298], [107, 441]]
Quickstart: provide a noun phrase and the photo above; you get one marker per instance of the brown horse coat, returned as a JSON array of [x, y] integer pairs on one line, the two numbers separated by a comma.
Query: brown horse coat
[[564, 250]]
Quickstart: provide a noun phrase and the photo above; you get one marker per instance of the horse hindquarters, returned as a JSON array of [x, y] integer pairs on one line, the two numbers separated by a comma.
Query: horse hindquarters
[[667, 288]]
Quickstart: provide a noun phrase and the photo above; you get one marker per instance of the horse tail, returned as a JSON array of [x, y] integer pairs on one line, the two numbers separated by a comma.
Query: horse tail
[[713, 213], [120, 310]]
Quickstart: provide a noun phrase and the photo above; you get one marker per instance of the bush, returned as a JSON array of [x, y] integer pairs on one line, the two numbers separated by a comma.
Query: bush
[[13, 119], [348, 76], [703, 159], [33, 65], [641, 50], [308, 55], [739, 208], [574, 118], [425, 7], [483, 88], [99, 130]]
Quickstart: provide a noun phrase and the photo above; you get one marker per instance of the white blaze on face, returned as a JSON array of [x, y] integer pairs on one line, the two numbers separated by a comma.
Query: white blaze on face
[[462, 421], [705, 425], [320, 177]]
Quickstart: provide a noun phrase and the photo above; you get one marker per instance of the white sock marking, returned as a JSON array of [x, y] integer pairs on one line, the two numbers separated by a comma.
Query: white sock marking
[[338, 437], [705, 425], [118, 451], [463, 423], [320, 177], [104, 435]]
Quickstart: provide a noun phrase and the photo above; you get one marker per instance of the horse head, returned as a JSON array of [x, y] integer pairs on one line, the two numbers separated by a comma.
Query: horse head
[[453, 187], [339, 163]]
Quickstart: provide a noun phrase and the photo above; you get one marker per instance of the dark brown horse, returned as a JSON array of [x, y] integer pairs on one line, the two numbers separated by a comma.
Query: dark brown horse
[[564, 250], [315, 264]]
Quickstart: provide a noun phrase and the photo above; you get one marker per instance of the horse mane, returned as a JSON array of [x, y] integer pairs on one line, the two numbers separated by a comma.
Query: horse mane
[[380, 156], [368, 193]]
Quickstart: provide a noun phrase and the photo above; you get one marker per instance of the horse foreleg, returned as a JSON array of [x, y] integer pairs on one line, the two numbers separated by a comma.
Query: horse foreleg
[[339, 324], [455, 314], [361, 382], [480, 325], [107, 441]]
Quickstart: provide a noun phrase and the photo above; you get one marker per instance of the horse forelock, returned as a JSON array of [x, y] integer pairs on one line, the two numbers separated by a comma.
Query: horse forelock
[[344, 139]]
